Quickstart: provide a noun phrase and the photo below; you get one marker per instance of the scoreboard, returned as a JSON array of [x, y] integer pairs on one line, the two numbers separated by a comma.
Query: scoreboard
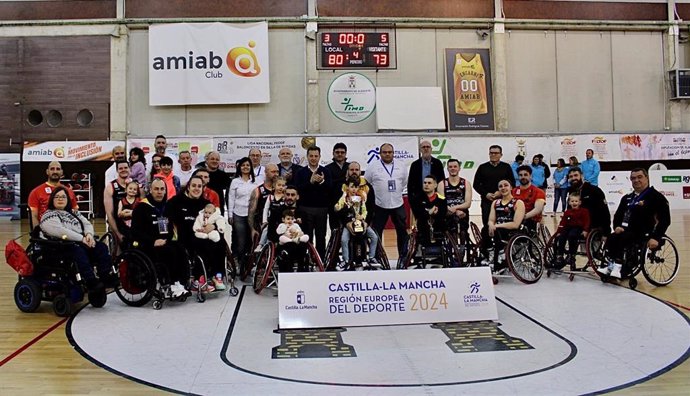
[[352, 49]]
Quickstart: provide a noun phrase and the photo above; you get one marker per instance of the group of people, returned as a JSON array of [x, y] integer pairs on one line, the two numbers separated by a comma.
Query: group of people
[[167, 207]]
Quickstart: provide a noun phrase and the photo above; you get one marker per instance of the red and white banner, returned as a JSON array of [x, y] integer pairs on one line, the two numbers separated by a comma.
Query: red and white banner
[[208, 63]]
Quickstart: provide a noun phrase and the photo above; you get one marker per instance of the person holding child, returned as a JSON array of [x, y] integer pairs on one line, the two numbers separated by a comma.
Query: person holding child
[[125, 207], [209, 215], [353, 210]]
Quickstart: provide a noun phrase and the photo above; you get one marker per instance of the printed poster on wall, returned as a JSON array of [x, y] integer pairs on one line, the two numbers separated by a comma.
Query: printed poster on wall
[[468, 89], [605, 147], [674, 185], [208, 63], [9, 184]]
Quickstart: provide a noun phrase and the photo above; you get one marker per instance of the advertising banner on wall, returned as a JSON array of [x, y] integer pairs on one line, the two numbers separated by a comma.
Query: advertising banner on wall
[[351, 97], [198, 146], [642, 147], [232, 149], [674, 185], [9, 184], [208, 63], [615, 185], [331, 299], [605, 147], [72, 151], [365, 149], [468, 89]]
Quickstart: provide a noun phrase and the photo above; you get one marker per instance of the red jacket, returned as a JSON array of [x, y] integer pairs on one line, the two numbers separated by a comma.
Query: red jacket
[[575, 218]]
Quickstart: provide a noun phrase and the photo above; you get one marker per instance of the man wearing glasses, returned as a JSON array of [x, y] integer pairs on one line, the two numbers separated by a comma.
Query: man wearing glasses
[[388, 179], [424, 166], [487, 177]]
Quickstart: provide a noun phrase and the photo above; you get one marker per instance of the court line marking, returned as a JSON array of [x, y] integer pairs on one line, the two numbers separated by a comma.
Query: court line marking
[[32, 341]]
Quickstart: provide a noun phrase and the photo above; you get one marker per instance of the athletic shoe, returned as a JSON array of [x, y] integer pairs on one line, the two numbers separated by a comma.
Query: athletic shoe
[[195, 285], [373, 262], [177, 289], [341, 266], [605, 269], [616, 272], [258, 248]]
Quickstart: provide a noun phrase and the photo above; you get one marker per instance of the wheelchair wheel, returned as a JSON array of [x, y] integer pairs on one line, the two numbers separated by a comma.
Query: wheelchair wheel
[[263, 268], [594, 246], [252, 259], [27, 295], [333, 249], [543, 234], [108, 240], [549, 255], [230, 271], [98, 298], [455, 255], [524, 259], [62, 306], [137, 278], [476, 233], [660, 266], [381, 255], [411, 251], [315, 263]]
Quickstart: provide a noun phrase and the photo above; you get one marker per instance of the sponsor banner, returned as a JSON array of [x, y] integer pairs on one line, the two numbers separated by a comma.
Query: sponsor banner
[[69, 151], [674, 185], [198, 146], [351, 97], [208, 63], [365, 149], [615, 185], [10, 166], [468, 89], [639, 147], [232, 149], [606, 148], [333, 299]]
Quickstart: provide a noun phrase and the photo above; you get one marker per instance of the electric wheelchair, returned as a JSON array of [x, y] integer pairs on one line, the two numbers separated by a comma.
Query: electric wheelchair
[[521, 255], [271, 258], [55, 276], [659, 266], [358, 251]]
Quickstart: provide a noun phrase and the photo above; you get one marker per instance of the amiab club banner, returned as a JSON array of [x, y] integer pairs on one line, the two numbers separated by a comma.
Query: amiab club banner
[[208, 63], [334, 299]]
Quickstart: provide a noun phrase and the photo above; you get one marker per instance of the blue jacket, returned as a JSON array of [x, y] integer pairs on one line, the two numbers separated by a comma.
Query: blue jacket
[[514, 166], [538, 176], [561, 177], [590, 171]]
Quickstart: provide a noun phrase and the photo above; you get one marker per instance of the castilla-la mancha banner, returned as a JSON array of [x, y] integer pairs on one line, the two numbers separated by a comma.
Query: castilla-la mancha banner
[[208, 63]]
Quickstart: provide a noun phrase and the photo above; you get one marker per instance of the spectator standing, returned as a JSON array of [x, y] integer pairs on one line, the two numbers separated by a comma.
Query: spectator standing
[[487, 177], [590, 168], [338, 170], [314, 183], [422, 167], [560, 185]]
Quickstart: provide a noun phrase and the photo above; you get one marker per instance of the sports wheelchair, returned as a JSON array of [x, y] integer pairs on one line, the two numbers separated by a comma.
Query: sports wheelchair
[[54, 276], [358, 251], [522, 255], [659, 266], [142, 280], [587, 251], [442, 251], [267, 265]]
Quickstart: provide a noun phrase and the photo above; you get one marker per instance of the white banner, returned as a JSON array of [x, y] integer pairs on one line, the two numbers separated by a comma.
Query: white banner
[[334, 299], [675, 185], [208, 63], [232, 149], [365, 149], [605, 147], [638, 147], [72, 151]]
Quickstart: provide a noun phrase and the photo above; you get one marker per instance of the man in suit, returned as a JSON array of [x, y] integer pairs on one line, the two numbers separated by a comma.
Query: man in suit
[[424, 166]]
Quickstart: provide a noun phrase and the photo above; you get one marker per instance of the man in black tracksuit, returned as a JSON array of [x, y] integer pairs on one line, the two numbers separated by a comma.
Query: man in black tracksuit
[[593, 199], [487, 177]]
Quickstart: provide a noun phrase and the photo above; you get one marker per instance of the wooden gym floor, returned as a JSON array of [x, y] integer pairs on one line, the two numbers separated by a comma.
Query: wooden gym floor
[[36, 357]]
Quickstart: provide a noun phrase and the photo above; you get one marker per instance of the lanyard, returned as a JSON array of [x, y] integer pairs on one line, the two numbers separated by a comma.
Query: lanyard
[[258, 171], [635, 200], [392, 168]]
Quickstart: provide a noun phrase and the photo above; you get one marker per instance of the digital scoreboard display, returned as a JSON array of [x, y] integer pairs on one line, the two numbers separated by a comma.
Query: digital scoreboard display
[[356, 50]]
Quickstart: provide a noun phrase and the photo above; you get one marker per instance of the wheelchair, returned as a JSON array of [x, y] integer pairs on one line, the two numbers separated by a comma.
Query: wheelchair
[[443, 251], [358, 251], [253, 256], [659, 266], [469, 249], [55, 276], [522, 255], [587, 251], [267, 265]]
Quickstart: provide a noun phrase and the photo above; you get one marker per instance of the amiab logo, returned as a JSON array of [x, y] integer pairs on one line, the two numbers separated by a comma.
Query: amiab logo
[[241, 61]]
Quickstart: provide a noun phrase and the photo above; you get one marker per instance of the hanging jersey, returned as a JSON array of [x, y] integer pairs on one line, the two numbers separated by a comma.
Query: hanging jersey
[[469, 80], [275, 206], [505, 213]]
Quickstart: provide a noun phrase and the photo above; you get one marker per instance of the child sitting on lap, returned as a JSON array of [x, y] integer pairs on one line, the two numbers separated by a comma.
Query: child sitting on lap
[[289, 231], [575, 223], [209, 215]]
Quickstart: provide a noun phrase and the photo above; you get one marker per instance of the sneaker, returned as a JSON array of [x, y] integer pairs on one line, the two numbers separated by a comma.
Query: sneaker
[[195, 285], [218, 282], [258, 248], [341, 266], [616, 272], [605, 269], [177, 289], [373, 262]]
